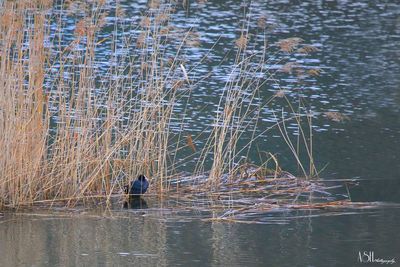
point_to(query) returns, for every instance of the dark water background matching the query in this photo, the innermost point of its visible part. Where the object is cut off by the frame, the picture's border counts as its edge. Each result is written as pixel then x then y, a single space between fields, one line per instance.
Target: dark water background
pixel 359 44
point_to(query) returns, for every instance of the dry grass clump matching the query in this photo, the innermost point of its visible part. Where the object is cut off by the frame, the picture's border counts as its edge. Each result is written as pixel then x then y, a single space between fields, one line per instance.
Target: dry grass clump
pixel 262 22
pixel 154 4
pixel 336 116
pixel 119 12
pixel 145 22
pixel 289 67
pixel 69 132
pixel 141 40
pixel 307 49
pixel 192 39
pixel 80 29
pixel 280 93
pixel 241 42
pixel 289 44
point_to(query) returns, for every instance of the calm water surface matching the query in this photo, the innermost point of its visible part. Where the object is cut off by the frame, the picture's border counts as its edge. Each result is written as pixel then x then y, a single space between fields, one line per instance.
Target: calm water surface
pixel 159 238
pixel 359 53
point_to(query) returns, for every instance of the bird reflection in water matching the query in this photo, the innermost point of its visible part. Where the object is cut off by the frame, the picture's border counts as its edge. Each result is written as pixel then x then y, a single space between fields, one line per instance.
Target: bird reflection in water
pixel 135 202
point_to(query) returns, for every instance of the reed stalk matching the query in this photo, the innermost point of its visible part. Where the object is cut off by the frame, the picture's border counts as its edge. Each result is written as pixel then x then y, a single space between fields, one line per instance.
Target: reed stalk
pixel 69 130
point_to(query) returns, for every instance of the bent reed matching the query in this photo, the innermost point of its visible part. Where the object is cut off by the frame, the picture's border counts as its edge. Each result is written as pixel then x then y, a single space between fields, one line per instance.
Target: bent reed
pixel 72 127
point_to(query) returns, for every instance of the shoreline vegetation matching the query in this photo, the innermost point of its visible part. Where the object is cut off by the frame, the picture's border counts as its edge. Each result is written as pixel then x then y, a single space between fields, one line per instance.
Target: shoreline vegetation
pixel 71 132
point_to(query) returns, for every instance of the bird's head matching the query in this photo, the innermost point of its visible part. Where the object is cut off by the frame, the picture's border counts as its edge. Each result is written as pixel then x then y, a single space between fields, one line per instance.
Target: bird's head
pixel 141 177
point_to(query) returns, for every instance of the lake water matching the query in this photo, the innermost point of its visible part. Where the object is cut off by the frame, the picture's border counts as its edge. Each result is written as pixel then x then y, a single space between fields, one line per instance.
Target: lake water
pixel 160 238
pixel 359 53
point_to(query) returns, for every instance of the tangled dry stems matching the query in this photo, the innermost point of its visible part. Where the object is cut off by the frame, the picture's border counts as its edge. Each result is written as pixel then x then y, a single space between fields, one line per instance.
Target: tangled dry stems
pixel 62 139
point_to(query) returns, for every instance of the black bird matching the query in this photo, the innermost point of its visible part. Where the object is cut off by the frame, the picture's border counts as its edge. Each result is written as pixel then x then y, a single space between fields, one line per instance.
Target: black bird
pixel 137 187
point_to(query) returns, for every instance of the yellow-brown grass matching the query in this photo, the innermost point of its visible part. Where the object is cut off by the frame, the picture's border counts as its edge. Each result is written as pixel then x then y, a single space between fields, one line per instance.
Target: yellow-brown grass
pixel 63 140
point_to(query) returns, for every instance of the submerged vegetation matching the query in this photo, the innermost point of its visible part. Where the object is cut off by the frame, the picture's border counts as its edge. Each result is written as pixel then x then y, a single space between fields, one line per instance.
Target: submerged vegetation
pixel 74 127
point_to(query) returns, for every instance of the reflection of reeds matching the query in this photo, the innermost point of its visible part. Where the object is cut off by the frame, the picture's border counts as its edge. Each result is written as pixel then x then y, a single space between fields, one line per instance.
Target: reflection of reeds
pixel 145 244
pixel 123 129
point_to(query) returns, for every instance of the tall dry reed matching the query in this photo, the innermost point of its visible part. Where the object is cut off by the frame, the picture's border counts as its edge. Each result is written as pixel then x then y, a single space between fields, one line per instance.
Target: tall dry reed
pixel 68 132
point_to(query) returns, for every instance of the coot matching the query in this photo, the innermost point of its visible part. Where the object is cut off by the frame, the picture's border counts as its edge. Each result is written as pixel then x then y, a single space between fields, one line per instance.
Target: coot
pixel 137 187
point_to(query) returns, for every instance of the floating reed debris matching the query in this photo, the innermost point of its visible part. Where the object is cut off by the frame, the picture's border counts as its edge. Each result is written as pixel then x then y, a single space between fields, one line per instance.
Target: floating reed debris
pixel 257 213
